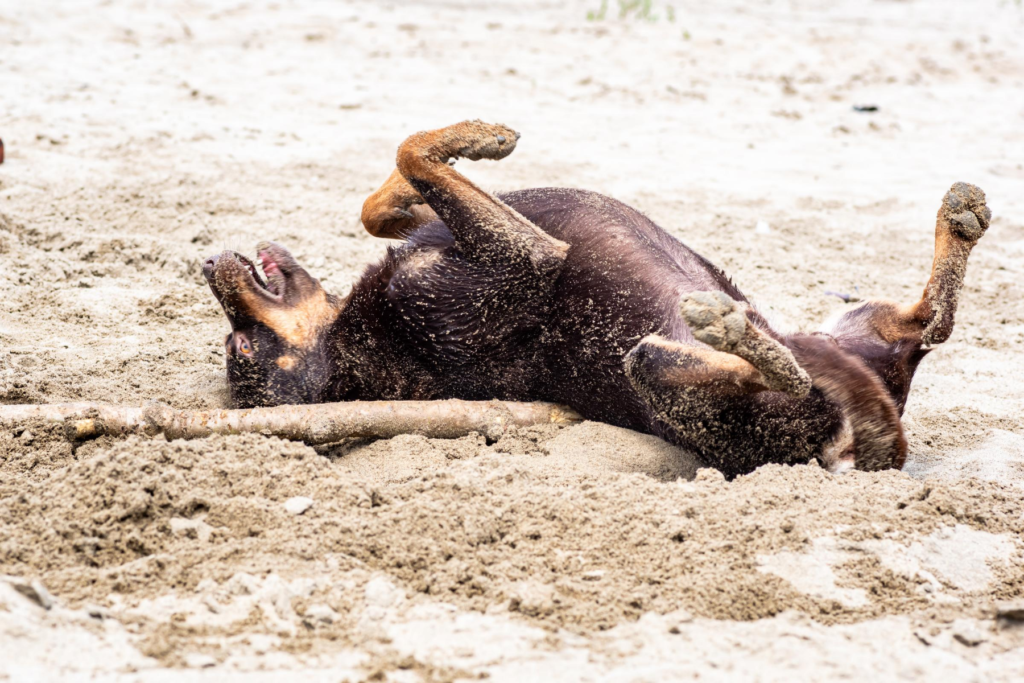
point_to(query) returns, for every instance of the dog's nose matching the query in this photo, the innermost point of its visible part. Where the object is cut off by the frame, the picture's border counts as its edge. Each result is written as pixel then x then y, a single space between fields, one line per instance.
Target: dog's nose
pixel 209 265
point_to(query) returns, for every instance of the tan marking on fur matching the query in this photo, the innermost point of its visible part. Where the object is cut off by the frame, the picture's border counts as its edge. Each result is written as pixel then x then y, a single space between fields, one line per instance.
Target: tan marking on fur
pixel 893 322
pixel 705 366
pixel 285 362
pixel 382 215
pixel 298 325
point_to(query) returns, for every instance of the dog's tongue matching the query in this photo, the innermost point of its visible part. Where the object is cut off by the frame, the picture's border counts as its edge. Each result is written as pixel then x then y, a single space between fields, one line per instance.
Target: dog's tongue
pixel 275 278
pixel 269 267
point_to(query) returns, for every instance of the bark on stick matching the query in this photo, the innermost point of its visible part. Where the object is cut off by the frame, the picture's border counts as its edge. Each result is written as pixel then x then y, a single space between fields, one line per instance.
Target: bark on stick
pixel 313 424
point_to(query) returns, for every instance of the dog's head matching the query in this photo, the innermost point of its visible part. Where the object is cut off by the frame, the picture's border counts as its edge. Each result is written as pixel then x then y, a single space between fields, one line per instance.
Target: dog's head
pixel 276 349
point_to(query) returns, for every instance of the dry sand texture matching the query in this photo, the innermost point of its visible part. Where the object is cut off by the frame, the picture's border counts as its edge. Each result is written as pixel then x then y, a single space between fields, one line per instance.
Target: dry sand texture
pixel 141 137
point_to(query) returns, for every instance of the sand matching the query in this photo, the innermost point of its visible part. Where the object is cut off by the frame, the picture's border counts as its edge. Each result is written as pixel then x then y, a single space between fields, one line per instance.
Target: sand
pixel 140 139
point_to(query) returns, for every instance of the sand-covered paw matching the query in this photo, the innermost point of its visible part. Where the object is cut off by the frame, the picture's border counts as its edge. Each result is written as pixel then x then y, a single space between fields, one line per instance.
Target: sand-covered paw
pixel 479 140
pixel 715 319
pixel 964 207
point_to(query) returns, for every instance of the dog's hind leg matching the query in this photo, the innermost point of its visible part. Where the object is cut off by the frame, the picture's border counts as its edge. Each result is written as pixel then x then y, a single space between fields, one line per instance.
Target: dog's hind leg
pixel 753 400
pixel 721 322
pixel 892 338
pixel 727 410
pixel 962 220
pixel 736 403
pixel 485 228
pixel 472 303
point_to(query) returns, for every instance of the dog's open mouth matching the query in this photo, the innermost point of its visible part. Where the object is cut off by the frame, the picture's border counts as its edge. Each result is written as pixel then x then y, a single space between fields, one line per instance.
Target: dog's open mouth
pixel 255 273
pixel 229 270
pixel 257 290
pixel 234 278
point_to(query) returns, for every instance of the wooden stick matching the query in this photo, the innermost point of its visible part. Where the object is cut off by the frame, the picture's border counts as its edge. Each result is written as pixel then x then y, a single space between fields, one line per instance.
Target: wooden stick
pixel 313 424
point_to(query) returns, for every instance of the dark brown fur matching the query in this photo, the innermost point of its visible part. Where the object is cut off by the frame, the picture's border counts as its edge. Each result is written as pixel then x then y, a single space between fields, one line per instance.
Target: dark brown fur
pixel 569 296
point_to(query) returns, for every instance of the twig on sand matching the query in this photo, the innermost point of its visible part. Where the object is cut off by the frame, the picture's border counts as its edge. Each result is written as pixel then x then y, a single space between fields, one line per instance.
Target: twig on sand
pixel 314 424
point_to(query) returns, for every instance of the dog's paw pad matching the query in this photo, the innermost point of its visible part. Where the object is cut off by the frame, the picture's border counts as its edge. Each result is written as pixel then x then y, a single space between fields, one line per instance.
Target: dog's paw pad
pixel 479 140
pixel 966 211
pixel 715 319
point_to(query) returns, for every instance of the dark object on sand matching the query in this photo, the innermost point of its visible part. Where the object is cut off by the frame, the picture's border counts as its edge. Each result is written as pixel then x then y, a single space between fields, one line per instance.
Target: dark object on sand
pixel 1 151
pixel 848 298
pixel 1011 611
pixel 570 297
pixel 865 108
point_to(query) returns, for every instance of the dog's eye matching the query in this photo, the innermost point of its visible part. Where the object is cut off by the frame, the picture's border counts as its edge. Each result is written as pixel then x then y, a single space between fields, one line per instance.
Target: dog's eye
pixel 244 347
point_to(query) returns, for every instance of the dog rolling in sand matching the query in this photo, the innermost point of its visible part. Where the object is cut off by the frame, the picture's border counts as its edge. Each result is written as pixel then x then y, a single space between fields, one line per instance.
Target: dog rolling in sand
pixel 571 297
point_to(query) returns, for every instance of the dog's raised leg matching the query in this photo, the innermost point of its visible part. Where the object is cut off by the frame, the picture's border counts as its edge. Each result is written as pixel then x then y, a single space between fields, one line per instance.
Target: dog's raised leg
pixel 754 400
pixel 741 404
pixel 892 338
pixel 962 220
pixel 471 300
pixel 485 228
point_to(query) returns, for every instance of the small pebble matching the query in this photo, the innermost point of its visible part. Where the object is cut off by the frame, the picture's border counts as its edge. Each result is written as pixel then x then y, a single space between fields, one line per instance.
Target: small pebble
pixel 968 634
pixel 97 612
pixel 298 504
pixel 33 590
pixel 320 614
pixel 195 660
pixel 27 436
pixel 1011 611
pixel 677 620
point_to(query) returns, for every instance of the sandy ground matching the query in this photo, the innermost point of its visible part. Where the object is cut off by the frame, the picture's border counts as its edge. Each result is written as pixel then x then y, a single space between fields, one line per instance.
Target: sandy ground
pixel 142 137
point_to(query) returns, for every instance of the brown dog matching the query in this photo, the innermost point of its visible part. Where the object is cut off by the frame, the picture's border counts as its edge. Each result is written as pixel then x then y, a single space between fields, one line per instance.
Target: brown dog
pixel 569 296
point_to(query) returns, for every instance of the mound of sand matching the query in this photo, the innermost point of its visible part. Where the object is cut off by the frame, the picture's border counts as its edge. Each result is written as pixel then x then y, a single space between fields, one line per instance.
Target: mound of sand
pixel 197 543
